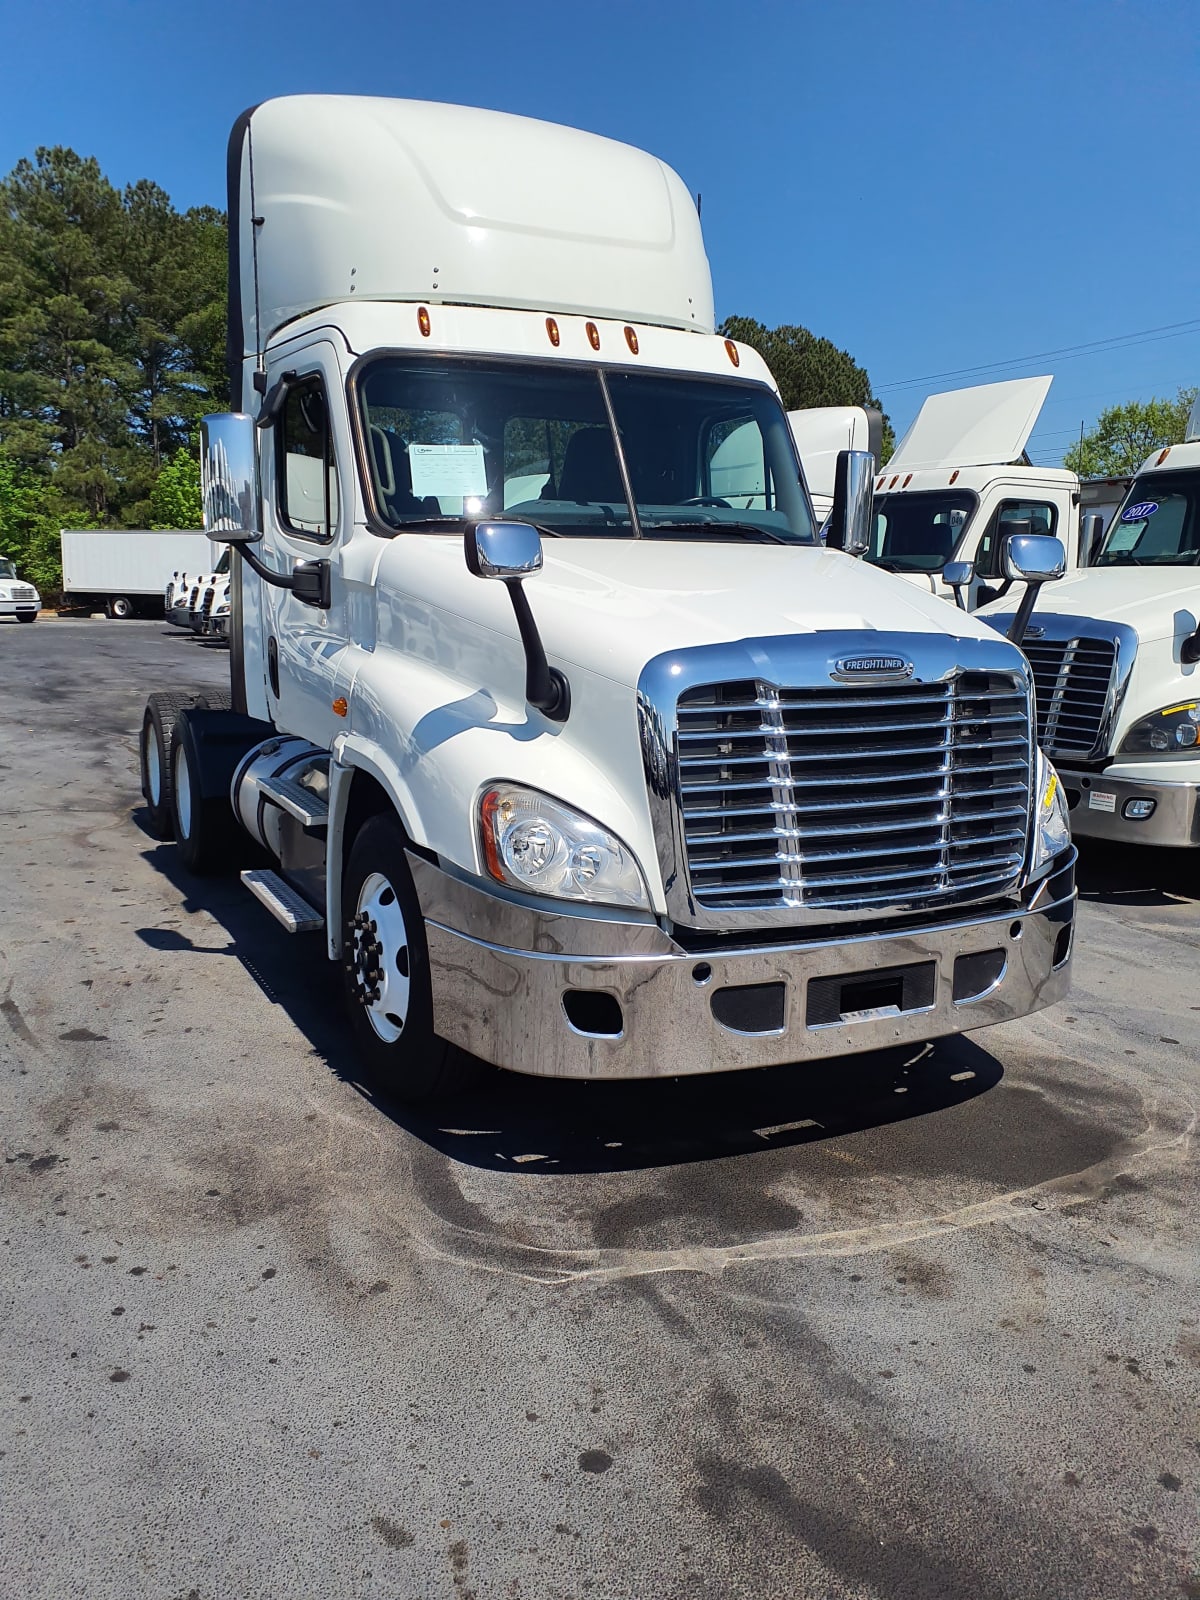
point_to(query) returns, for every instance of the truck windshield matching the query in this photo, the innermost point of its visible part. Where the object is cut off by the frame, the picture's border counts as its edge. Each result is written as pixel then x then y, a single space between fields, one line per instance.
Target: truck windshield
pixel 706 458
pixel 919 532
pixel 7 570
pixel 1158 525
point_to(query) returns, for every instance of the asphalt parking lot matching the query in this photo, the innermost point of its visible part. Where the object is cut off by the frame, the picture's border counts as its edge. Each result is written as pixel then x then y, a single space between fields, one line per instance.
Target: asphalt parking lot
pixel 906 1326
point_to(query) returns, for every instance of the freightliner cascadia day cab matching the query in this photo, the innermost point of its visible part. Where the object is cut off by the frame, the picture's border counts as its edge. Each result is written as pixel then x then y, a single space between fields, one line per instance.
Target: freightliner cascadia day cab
pixel 959 484
pixel 1116 660
pixel 587 761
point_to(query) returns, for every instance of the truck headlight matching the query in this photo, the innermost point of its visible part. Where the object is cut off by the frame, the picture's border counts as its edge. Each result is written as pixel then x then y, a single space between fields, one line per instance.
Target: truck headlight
pixel 1165 735
pixel 537 844
pixel 1052 826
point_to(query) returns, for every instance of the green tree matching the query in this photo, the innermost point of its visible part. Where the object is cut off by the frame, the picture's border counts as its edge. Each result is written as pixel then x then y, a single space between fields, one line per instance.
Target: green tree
pixel 175 497
pixel 809 370
pixel 32 511
pixel 1125 435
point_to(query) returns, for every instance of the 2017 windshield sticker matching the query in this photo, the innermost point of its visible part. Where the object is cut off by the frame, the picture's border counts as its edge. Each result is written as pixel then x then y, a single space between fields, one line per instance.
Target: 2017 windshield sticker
pixel 447 469
pixel 1139 512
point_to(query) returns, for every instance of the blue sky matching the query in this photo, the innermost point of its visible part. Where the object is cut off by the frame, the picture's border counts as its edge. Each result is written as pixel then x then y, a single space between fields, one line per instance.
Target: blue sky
pixel 934 186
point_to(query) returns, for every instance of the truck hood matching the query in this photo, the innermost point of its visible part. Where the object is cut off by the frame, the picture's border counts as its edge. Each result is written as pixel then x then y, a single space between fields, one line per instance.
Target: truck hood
pixel 1156 602
pixel 987 425
pixel 612 605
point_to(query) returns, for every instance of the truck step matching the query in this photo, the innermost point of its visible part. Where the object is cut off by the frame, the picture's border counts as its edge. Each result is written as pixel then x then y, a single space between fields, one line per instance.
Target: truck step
pixel 282 901
pixel 299 802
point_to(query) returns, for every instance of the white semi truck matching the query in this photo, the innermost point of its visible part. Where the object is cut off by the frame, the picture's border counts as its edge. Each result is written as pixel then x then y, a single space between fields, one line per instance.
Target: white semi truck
pixel 959 484
pixel 1116 661
pixel 584 764
pixel 18 598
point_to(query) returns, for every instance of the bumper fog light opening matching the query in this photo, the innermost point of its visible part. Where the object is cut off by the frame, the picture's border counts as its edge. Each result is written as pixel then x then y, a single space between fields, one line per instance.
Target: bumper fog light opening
pixel 1138 810
pixel 592 1012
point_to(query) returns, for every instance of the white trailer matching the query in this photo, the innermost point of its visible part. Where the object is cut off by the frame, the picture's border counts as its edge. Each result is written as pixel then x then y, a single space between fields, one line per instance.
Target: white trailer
pixel 547 703
pixel 127 569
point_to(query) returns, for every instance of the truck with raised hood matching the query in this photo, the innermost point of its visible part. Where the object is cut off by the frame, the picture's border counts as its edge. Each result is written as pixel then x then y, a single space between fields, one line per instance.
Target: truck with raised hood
pixel 1116 663
pixel 126 570
pixel 583 762
pixel 959 484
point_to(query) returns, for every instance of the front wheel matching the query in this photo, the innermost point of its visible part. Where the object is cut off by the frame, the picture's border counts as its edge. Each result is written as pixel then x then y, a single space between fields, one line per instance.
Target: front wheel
pixel 26 616
pixel 385 971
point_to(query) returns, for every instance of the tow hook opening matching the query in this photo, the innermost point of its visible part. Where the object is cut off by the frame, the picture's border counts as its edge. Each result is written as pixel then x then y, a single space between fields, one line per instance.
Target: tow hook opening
pixel 592 1012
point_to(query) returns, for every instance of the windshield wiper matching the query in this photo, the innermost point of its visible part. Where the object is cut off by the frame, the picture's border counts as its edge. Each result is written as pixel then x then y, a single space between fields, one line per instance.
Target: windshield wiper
pixel 461 524
pixel 711 525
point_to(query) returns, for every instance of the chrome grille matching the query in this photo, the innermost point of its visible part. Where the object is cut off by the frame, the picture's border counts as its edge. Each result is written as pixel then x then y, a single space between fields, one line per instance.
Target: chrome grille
pixel 1072 678
pixel 853 797
pixel 22 591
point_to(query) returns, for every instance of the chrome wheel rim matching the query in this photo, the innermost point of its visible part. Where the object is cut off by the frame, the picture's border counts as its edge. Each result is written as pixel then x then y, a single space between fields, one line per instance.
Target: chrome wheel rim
pixel 153 764
pixel 183 793
pixel 377 957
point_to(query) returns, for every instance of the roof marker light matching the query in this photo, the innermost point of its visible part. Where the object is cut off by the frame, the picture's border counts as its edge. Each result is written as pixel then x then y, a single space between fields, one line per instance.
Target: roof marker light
pixel 731 350
pixel 892 485
pixel 423 321
pixel 1163 456
pixel 552 332
pixel 631 340
pixel 954 476
pixel 907 481
pixel 593 333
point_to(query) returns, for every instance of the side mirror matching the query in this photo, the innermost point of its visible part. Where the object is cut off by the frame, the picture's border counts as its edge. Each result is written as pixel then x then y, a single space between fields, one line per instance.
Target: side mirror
pixel 229 478
pixel 1032 559
pixel 512 551
pixel 504 550
pixel 853 502
pixel 958 575
pixel 1090 536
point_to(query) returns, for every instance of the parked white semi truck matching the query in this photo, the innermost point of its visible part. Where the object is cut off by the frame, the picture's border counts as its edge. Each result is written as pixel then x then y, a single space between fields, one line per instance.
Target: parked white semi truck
pixel 1116 660
pixel 580 766
pixel 17 597
pixel 959 484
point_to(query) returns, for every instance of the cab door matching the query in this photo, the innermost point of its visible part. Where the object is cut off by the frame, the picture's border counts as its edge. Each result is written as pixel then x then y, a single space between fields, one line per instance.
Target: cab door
pixel 307 514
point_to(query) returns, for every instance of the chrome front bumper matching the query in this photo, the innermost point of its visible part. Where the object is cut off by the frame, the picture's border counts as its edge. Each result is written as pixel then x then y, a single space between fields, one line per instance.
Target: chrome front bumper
pixel 1175 819
pixel 508 979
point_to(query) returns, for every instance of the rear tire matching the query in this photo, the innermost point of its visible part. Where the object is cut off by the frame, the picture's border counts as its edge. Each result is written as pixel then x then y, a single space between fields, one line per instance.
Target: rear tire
pixel 385 972
pixel 206 834
pixel 154 750
pixel 118 608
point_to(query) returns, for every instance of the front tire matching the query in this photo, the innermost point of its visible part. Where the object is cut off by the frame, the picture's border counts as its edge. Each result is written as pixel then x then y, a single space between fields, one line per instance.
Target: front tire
pixel 26 616
pixel 385 972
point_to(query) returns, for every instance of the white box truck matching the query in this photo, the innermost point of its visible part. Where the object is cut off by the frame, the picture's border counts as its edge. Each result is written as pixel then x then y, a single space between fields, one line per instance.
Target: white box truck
pixel 127 570
pixel 1116 661
pixel 585 764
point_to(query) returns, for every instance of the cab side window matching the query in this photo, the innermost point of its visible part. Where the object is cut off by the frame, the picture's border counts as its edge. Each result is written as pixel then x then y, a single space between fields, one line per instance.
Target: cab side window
pixel 305 469
pixel 1041 516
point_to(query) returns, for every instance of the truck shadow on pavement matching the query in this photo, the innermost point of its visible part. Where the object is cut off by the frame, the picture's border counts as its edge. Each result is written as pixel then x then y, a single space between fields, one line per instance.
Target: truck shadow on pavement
pixel 583 1127
pixel 1137 875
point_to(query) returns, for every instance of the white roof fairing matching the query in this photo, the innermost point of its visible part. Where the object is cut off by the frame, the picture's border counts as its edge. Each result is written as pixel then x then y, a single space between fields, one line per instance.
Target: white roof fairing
pixel 987 425
pixel 374 199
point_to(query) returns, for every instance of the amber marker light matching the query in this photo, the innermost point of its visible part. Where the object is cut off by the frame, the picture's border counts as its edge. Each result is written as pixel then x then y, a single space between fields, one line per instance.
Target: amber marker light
pixel 593 333
pixel 552 332
pixel 892 485
pixel 631 341
pixel 954 476
pixel 731 350
pixel 907 481
pixel 1163 456
pixel 340 706
pixel 423 321
pixel 490 829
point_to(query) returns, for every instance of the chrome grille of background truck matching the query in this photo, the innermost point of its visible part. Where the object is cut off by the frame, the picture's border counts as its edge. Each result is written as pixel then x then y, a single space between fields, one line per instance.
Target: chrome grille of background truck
pixel 854 798
pixel 1073 679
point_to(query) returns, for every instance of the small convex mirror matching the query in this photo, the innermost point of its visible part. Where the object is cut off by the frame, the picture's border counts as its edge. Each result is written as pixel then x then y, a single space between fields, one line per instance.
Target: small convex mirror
pixel 505 550
pixel 958 574
pixel 1032 558
pixel 229 477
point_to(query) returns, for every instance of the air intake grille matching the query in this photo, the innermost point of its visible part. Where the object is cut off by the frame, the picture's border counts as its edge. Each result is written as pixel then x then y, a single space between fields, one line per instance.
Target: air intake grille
pixel 1072 678
pixel 853 798
pixel 22 592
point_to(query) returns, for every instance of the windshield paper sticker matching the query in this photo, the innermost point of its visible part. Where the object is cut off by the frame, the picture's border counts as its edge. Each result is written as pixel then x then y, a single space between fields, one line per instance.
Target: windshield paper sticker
pixel 447 469
pixel 1139 513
